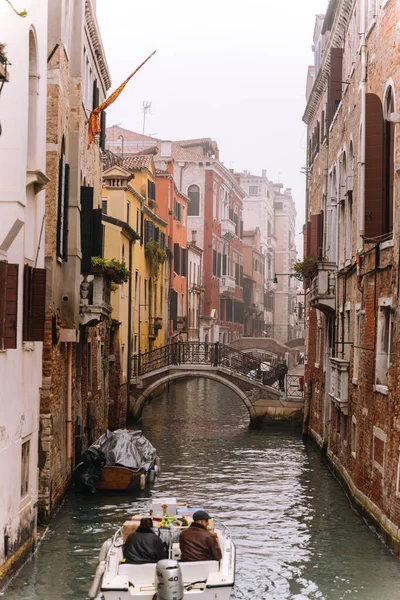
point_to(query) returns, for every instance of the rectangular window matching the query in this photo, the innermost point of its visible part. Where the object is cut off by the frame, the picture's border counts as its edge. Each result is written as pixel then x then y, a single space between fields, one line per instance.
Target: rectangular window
pixel 25 456
pixel 62 210
pixel 135 344
pixel 347 335
pixel 378 449
pixel 214 263
pixel 338 413
pixel 104 205
pixel 128 213
pixel 353 437
pixel 136 289
pixel 137 221
pixel 356 358
pixel 177 210
pixel 177 259
pixel 123 361
pixel 145 298
pixel 384 339
pixel 253 190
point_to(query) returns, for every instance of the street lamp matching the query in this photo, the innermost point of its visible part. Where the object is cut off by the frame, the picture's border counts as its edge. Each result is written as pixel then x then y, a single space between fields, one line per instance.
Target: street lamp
pixel 297 276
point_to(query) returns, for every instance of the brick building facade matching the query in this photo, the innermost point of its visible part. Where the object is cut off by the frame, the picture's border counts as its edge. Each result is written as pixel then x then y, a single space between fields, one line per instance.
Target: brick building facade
pixel 74 393
pixel 352 235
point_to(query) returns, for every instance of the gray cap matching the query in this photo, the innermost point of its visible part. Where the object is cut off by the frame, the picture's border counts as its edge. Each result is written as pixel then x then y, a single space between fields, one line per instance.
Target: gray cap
pixel 201 515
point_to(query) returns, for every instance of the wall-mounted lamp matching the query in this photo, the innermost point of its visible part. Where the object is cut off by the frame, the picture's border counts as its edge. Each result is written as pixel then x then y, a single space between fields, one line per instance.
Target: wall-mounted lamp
pixel 297 276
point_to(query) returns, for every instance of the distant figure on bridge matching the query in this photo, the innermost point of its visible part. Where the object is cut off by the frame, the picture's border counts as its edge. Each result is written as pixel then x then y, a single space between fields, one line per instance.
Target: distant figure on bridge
pixel 282 370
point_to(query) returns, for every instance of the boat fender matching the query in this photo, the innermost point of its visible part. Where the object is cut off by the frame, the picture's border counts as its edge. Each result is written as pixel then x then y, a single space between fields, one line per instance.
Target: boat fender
pixel 158 464
pixel 152 475
pixel 94 589
pixel 142 481
pixel 104 550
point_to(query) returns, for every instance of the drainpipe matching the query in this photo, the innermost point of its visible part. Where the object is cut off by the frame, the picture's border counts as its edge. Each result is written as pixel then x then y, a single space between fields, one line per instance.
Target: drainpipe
pixel 129 352
pixel 69 401
pixel 363 88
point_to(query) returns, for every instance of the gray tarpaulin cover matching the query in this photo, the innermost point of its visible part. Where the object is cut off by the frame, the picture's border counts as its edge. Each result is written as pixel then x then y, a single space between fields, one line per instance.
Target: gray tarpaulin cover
pixel 127 449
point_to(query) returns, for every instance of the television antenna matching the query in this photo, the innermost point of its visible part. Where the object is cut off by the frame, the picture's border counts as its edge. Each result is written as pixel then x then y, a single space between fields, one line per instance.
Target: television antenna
pixel 146 110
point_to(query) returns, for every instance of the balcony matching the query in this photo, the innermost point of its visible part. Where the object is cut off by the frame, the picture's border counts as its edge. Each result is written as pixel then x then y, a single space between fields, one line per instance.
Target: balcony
pixel 227 285
pixel 228 229
pixel 339 388
pixel 323 287
pixel 95 301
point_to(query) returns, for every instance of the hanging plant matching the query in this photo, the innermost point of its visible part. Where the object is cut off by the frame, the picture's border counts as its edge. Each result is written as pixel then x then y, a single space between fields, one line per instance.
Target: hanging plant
pixel 112 268
pixel 155 255
pixel 305 267
pixel 22 14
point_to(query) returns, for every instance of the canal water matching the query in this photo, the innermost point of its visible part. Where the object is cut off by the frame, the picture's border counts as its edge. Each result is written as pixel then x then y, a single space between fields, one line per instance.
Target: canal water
pixel 297 537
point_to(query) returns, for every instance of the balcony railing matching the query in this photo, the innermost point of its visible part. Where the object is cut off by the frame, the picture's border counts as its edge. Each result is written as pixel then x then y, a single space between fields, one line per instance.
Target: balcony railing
pixel 228 229
pixel 339 387
pixel 95 301
pixel 323 287
pixel 227 284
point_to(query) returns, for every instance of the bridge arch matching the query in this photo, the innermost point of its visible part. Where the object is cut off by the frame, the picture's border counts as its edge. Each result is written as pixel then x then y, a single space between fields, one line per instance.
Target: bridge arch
pixel 137 404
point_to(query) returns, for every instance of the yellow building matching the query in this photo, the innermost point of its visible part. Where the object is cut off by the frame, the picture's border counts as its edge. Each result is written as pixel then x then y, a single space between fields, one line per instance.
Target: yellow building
pixel 135 235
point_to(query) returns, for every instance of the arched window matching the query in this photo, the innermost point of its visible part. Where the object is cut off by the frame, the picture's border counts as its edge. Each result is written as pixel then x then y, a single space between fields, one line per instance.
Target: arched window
pixel 62 211
pixel 342 212
pixel 349 205
pixel 194 204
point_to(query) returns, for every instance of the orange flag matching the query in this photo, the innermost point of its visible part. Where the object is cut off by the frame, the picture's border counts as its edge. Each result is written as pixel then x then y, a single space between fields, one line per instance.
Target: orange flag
pixel 94 121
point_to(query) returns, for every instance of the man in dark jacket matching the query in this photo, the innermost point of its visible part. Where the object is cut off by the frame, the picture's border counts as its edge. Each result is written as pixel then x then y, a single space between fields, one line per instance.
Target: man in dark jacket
pixel 143 545
pixel 196 542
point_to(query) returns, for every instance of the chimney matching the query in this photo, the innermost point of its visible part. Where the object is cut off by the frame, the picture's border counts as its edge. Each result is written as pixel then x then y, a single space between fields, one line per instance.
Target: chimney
pixel 264 173
pixel 165 149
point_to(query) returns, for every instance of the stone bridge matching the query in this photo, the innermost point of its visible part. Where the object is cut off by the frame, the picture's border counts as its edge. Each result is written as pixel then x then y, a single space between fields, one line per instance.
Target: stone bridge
pixel 241 373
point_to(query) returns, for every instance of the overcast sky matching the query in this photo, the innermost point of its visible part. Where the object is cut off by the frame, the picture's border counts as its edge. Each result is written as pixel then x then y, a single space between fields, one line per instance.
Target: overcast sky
pixel 231 70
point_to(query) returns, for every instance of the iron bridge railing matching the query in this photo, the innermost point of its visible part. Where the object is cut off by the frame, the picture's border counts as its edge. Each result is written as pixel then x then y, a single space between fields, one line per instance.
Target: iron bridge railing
pixel 216 355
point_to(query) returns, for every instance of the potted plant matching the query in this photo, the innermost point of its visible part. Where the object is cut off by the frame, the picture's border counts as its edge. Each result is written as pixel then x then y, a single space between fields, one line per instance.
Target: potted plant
pixel 305 268
pixel 116 271
pixel 155 255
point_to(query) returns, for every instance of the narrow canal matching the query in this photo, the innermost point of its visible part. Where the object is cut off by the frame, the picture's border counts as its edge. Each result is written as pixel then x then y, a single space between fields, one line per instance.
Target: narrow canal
pixel 297 536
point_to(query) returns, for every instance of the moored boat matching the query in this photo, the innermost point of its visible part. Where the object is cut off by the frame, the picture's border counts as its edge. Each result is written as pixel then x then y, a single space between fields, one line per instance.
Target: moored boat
pixel 119 460
pixel 169 579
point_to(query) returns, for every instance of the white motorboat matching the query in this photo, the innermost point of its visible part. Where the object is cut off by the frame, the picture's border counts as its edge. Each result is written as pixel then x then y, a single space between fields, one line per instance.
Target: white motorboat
pixel 169 579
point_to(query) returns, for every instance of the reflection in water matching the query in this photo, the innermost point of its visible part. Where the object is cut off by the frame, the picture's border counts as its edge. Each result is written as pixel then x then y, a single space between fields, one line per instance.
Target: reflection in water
pixel 297 537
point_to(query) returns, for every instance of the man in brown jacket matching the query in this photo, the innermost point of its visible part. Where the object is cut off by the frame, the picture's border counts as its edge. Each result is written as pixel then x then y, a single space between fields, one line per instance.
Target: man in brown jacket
pixel 197 543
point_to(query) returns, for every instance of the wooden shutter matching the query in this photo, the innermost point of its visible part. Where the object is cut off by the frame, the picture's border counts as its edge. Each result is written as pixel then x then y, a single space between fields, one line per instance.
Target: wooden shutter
pixel 34 304
pixel 97 232
pixel 241 275
pixel 308 238
pixel 65 211
pixel 60 207
pixel 173 307
pixel 86 228
pixel 184 261
pixel 335 81
pixel 103 125
pixel 214 262
pixel 315 235
pixel 373 166
pixel 177 259
pixel 141 228
pixel 219 264
pixel 96 95
pixel 11 307
pixel 3 287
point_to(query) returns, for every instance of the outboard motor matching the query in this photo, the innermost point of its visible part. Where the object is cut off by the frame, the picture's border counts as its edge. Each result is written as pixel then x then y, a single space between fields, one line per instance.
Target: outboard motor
pixel 169 582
